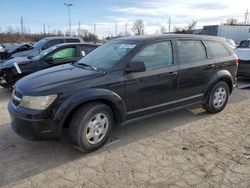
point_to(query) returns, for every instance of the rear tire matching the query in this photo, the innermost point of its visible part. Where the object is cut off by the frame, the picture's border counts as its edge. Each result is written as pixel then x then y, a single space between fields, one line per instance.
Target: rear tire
pixel 91 126
pixel 218 98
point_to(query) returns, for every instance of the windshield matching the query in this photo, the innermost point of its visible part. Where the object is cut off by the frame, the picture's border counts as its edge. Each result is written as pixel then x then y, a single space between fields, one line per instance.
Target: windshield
pixel 39 44
pixel 43 53
pixel 107 55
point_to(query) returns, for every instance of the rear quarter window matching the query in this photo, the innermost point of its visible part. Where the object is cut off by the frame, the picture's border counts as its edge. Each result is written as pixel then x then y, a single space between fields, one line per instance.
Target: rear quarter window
pixel 216 49
pixel 191 51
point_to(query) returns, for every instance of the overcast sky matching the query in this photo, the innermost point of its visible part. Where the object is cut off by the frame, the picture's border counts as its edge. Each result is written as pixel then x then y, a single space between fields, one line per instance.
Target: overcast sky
pixel 105 13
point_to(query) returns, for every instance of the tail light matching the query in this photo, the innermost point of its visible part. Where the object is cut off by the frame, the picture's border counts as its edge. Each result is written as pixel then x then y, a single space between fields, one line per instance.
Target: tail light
pixel 236 60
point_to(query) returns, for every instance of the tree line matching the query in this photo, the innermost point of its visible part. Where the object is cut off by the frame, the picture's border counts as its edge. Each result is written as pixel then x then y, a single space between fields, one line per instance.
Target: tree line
pixel 138 28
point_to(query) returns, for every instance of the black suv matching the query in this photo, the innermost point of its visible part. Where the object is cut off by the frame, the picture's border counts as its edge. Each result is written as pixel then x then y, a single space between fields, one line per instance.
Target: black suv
pixel 13 69
pixel 123 80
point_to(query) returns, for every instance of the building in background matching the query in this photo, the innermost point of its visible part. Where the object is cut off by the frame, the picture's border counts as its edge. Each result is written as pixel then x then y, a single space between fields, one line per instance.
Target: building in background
pixel 235 32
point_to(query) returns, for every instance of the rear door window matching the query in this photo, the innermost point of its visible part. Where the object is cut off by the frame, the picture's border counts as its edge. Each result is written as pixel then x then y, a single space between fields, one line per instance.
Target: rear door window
pixel 191 51
pixel 157 55
pixel 215 49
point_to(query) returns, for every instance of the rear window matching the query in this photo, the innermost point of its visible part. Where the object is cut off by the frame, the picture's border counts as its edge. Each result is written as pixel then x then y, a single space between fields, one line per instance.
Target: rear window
pixel 215 49
pixel 191 51
pixel 245 44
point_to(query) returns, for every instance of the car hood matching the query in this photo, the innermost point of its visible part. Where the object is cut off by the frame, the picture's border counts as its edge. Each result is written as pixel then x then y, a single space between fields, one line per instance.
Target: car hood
pixel 14 47
pixel 10 63
pixel 56 78
pixel 32 52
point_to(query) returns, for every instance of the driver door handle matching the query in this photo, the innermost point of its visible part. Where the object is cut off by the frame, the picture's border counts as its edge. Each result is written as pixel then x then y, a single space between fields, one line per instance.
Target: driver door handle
pixel 172 73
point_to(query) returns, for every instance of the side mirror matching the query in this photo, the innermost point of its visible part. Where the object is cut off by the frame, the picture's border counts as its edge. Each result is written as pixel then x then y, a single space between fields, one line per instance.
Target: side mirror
pixel 43 48
pixel 136 66
pixel 83 53
pixel 49 59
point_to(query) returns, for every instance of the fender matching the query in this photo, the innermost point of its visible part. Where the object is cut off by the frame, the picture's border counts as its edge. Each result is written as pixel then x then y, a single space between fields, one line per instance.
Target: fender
pixel 88 95
pixel 220 75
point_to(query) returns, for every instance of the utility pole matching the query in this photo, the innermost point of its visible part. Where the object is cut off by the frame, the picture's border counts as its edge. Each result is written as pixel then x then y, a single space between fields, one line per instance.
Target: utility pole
pixel 22 28
pixel 169 24
pixel 116 29
pixel 49 29
pixel 79 28
pixel 126 29
pixel 69 5
pixel 95 29
pixel 44 31
pixel 246 17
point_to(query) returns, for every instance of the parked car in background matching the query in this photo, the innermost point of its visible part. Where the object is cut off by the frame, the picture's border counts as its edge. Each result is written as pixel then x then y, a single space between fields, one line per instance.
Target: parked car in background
pixel 1 52
pixel 122 81
pixel 243 53
pixel 13 69
pixel 9 50
pixel 47 43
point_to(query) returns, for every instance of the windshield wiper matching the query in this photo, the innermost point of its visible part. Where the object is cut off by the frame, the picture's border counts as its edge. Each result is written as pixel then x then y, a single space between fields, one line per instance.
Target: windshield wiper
pixel 86 65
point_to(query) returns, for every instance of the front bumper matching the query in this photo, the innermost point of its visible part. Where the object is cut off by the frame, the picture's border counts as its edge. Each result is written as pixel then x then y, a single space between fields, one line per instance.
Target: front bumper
pixel 30 126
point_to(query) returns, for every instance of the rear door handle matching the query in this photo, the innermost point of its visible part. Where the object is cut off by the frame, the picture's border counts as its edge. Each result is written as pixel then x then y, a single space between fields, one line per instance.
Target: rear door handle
pixel 212 65
pixel 172 73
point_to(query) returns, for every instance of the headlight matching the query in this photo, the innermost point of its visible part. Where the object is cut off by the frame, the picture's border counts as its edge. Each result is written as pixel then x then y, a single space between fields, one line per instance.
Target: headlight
pixel 37 103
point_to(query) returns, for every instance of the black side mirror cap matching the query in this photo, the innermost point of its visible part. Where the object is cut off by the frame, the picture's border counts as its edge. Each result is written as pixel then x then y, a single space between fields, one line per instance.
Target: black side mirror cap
pixel 49 59
pixel 136 66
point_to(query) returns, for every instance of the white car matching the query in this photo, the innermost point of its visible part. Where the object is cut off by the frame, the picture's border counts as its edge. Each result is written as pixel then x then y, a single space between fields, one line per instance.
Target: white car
pixel 243 53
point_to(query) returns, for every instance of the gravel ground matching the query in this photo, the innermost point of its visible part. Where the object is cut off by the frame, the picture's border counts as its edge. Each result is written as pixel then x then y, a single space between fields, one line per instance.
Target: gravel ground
pixel 188 148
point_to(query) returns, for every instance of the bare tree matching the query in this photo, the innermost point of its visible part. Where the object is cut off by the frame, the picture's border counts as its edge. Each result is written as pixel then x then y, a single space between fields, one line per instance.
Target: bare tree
pixel 186 30
pixel 138 27
pixel 192 25
pixel 231 21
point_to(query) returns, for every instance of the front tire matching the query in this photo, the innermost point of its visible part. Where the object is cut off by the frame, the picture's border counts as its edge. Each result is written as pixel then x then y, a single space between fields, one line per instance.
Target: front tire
pixel 218 98
pixel 91 126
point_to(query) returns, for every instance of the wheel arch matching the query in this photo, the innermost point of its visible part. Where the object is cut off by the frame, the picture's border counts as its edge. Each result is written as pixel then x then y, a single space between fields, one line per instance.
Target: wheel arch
pixel 223 75
pixel 75 102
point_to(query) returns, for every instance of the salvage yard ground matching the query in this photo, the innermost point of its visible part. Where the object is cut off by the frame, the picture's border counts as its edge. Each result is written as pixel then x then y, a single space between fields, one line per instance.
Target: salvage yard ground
pixel 189 148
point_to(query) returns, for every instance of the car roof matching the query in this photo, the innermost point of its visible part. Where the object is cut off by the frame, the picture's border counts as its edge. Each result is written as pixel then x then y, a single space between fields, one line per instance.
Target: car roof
pixel 77 44
pixel 144 38
pixel 62 37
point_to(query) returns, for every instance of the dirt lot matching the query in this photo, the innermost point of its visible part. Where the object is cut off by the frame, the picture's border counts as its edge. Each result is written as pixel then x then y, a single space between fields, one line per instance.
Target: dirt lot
pixel 189 148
